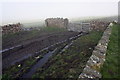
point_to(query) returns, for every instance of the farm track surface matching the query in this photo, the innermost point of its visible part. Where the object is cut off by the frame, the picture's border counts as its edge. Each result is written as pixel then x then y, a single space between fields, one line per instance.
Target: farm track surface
pixel 16 40
pixel 35 45
pixel 42 45
pixel 62 46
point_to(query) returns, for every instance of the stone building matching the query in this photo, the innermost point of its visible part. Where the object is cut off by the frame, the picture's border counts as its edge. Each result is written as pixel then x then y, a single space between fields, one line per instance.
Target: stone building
pixel 57 22
pixel 64 23
pixel 11 28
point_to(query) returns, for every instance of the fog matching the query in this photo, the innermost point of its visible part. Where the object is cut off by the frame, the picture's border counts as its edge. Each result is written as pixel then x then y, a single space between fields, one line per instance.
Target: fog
pixel 15 11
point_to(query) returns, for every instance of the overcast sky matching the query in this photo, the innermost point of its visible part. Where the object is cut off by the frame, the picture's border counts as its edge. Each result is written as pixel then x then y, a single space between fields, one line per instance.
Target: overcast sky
pixel 31 10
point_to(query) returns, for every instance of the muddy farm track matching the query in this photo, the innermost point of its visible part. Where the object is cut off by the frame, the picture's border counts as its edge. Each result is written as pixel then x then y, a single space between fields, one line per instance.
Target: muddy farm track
pixel 47 54
pixel 35 45
pixel 42 55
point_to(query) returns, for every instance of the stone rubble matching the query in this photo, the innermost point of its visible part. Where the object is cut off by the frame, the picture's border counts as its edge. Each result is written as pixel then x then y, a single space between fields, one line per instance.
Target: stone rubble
pixel 11 28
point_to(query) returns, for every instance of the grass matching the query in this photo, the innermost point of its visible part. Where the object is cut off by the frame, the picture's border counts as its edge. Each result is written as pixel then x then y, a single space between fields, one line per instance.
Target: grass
pixel 18 69
pixel 52 29
pixel 111 67
pixel 15 71
pixel 71 62
pixel 68 64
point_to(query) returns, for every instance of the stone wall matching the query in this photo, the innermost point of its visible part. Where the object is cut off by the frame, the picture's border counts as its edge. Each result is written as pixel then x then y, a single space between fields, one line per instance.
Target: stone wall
pixel 92 69
pixel 11 28
pixel 79 27
pixel 99 25
pixel 74 27
pixel 56 22
pixel 87 26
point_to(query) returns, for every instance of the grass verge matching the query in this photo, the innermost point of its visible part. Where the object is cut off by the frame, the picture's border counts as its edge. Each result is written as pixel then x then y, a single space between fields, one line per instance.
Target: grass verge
pixel 110 67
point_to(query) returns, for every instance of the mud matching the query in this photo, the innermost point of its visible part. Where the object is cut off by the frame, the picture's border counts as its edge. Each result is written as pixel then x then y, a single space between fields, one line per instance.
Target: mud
pixel 46 57
pixel 35 45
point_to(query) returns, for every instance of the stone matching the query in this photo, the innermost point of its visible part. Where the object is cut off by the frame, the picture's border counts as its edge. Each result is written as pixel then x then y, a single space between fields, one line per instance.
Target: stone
pixel 98 54
pixel 92 69
pixel 57 22
pixel 11 28
pixel 91 73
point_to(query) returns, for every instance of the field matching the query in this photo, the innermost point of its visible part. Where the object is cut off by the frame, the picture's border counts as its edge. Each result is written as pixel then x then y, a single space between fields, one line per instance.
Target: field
pixel 50 52
pixel 32 42
pixel 14 39
pixel 71 62
pixel 35 24
pixel 68 64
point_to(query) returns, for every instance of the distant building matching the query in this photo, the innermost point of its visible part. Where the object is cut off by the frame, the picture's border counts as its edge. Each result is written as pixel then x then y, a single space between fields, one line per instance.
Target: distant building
pixel 64 23
pixel 57 22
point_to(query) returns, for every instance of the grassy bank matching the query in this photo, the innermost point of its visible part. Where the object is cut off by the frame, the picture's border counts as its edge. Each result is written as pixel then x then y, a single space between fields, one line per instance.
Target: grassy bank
pixel 110 67
pixel 71 62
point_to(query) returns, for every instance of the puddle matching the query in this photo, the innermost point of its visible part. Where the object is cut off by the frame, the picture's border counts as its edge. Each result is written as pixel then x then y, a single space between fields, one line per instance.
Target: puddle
pixel 46 55
pixel 39 64
pixel 44 60
pixel 2 51
pixel 25 57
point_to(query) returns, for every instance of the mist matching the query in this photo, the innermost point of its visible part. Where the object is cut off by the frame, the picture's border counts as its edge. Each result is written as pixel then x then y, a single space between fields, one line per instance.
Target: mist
pixel 25 12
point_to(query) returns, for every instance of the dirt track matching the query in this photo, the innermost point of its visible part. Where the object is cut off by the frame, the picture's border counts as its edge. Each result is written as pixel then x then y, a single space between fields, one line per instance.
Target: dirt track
pixel 35 45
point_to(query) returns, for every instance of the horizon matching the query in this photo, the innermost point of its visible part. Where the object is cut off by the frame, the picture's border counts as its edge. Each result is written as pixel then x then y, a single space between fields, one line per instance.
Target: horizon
pixel 27 12
pixel 70 19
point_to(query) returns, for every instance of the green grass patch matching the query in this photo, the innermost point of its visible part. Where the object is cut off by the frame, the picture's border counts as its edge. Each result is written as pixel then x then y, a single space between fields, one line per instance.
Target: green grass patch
pixel 110 67
pixel 18 69
pixel 51 29
pixel 70 63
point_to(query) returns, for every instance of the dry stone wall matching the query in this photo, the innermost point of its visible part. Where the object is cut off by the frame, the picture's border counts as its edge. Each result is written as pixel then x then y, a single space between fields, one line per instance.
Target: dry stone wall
pixel 98 25
pixel 74 27
pixel 56 22
pixel 11 28
pixel 79 27
pixel 98 57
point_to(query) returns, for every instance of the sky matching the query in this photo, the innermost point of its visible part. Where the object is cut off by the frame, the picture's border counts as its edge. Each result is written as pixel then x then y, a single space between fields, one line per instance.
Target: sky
pixel 13 11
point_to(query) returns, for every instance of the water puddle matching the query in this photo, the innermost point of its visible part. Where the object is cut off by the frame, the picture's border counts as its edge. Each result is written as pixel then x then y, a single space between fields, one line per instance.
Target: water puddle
pixel 46 57
pixel 39 64
pixel 2 51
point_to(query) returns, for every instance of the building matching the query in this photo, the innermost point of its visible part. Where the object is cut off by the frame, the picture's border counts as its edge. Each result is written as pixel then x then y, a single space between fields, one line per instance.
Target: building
pixel 57 22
